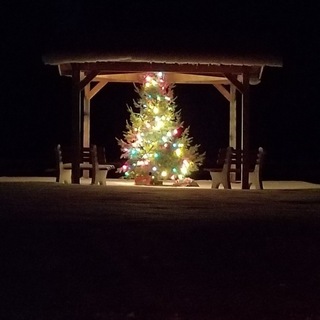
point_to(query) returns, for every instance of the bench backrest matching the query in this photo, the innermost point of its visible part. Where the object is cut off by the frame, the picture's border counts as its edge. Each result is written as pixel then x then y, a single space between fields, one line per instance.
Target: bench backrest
pixel 225 157
pixel 98 155
pixel 256 158
pixel 65 155
pixel 58 154
pixel 86 154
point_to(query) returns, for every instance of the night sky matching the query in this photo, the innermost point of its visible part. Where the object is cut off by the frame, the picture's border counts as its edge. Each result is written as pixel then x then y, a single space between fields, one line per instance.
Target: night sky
pixel 35 100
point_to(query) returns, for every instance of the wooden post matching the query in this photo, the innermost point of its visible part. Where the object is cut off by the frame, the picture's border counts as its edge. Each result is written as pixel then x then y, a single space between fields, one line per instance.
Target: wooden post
pixel 245 130
pixel 233 117
pixel 76 124
pixel 86 122
pixel 239 135
pixel 233 124
pixel 237 81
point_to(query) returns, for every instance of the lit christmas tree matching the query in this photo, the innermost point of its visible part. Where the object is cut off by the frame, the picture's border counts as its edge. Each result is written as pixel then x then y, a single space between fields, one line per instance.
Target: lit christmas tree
pixel 156 144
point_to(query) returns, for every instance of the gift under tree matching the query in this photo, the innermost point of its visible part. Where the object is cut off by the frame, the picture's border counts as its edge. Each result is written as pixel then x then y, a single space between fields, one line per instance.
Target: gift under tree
pixel 156 144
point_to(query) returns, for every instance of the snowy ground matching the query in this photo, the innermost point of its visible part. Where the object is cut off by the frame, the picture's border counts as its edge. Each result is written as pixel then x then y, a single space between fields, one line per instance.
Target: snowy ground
pixel 205 184
pixel 122 252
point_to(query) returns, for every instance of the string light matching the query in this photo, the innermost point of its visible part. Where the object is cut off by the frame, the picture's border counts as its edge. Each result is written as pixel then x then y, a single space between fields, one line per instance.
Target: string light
pixel 178 152
pixel 164 174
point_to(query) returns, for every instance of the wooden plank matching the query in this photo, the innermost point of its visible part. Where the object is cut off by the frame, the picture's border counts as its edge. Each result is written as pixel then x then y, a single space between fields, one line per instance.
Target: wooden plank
pixel 96 89
pixel 223 91
pixel 89 77
pixel 233 79
pixel 171 77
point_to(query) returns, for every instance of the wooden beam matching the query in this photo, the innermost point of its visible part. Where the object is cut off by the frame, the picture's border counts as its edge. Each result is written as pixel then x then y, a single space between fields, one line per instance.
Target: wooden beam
pixel 96 89
pixel 76 126
pixel 125 67
pixel 171 77
pixel 222 89
pixel 89 77
pixel 233 79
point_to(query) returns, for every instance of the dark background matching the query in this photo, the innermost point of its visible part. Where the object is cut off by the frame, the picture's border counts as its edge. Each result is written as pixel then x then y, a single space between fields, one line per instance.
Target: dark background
pixel 35 100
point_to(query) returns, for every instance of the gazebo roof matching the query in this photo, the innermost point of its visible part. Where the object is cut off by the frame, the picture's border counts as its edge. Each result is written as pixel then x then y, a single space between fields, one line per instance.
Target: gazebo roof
pixel 165 57
pixel 181 67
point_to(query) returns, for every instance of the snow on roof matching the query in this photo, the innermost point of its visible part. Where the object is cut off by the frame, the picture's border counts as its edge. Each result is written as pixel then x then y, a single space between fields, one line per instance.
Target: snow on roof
pixel 168 58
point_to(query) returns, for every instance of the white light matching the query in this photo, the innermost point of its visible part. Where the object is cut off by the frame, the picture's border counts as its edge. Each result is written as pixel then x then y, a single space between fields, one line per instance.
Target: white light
pixel 184 170
pixel 159 125
pixel 163 173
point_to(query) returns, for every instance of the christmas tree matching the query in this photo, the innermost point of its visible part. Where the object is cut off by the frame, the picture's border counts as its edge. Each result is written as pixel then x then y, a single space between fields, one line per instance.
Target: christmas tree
pixel 156 143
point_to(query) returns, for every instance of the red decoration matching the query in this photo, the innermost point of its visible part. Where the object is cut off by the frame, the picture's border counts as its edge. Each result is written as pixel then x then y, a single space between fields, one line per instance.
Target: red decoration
pixel 143 180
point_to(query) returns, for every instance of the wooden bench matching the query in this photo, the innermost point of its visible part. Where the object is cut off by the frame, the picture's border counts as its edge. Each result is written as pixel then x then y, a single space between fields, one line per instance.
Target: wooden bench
pixel 100 168
pixel 63 168
pixel 220 174
pixel 256 159
pixel 92 159
pixel 230 161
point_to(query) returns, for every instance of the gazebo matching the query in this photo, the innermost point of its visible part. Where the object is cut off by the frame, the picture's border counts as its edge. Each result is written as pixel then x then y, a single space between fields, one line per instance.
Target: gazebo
pixel 230 74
